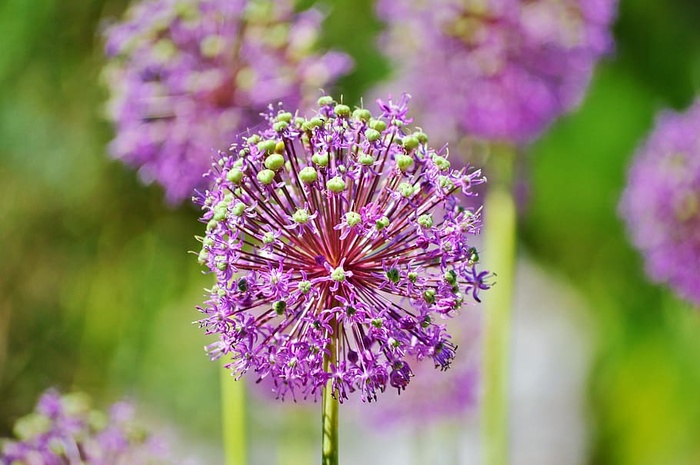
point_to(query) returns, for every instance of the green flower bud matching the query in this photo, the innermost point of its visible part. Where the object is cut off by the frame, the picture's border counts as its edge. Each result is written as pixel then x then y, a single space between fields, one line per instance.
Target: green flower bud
pixel 426 321
pixel 336 184
pixel 305 287
pixel 325 101
pixel 361 114
pixel 266 177
pixel 377 322
pixel 393 275
pixel 446 183
pixel 441 163
pixel 242 285
pixel 280 126
pixel 268 237
pixel 253 140
pixel 352 218
pixel 429 296
pixel 308 175
pixel 267 146
pixel 320 159
pixel 404 162
pixel 377 125
pixel 406 189
pixel 451 277
pixel 312 123
pixel 366 160
pixel 220 212
pixel 274 162
pixel 279 307
pixel 238 209
pixel 342 110
pixel 338 274
pixel 410 143
pixel 421 136
pixel 412 276
pixel 426 221
pixel 301 216
pixel 285 116
pixel 381 223
pixel 235 176
pixel 372 135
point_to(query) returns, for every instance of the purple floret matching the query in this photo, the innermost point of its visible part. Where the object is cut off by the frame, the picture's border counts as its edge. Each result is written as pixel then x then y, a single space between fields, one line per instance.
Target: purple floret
pixel 186 76
pixel 338 238
pixel 661 202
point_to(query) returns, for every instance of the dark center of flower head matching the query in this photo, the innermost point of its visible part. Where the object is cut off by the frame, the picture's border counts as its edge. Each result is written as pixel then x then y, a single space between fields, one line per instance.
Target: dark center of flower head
pixel 333 240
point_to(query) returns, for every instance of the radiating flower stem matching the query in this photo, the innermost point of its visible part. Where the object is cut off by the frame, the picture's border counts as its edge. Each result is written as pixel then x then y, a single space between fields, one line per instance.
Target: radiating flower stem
pixel 499 243
pixel 233 417
pixel 329 416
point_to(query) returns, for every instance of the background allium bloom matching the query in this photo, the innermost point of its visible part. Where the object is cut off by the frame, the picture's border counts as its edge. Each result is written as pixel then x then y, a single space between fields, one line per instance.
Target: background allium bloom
pixel 338 236
pixel 63 430
pixel 497 69
pixel 661 203
pixel 186 76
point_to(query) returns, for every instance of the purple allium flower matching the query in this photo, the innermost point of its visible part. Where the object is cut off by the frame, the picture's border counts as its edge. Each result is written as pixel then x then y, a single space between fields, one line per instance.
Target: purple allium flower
pixel 187 75
pixel 661 202
pixel 340 237
pixel 63 430
pixel 496 69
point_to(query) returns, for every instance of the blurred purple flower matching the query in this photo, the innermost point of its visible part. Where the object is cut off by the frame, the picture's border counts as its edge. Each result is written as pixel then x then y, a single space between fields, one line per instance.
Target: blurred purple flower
pixel 661 202
pixel 340 236
pixel 63 430
pixel 496 69
pixel 186 76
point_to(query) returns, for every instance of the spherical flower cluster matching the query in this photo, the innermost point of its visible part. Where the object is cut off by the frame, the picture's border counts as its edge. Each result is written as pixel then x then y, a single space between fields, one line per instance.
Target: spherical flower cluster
pixel 63 430
pixel 661 202
pixel 185 76
pixel 338 244
pixel 497 69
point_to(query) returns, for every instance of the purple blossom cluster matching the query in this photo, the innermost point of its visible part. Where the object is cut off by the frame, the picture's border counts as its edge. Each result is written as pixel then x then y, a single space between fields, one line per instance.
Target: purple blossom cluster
pixel 63 430
pixel 338 244
pixel 495 69
pixel 185 76
pixel 661 202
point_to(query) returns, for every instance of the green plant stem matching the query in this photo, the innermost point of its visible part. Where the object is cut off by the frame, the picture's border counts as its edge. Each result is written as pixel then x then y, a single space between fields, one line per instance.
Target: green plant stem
pixel 499 251
pixel 329 416
pixel 233 418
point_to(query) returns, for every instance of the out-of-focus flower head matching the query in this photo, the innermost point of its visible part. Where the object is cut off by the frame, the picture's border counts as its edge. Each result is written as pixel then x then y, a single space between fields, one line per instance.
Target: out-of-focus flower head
pixel 495 69
pixel 63 430
pixel 338 239
pixel 185 76
pixel 661 202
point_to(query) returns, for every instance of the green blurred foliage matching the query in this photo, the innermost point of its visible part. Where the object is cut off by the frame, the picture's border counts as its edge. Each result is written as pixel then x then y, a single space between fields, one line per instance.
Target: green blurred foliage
pixel 97 291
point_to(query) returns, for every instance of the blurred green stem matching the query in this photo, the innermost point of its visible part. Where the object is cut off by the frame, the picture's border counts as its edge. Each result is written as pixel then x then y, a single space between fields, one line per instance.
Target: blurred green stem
pixel 499 247
pixel 329 415
pixel 233 417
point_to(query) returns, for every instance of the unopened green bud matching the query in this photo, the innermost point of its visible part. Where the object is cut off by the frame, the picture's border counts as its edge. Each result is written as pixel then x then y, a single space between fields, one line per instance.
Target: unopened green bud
pixel 410 143
pixel 426 221
pixel 429 296
pixel 285 116
pixel 279 307
pixel 308 175
pixel 266 177
pixel 305 287
pixel 377 125
pixel 320 159
pixel 336 184
pixel 267 146
pixel 412 276
pixel 301 216
pixel 377 322
pixel 441 163
pixel 372 135
pixel 325 101
pixel 393 275
pixel 274 162
pixel 446 183
pixel 342 110
pixel 280 126
pixel 404 162
pixel 338 274
pixel 361 114
pixel 421 136
pixel 451 277
pixel 366 160
pixel 352 218
pixel 406 189
pixel 235 176
pixel 253 140
pixel 238 209
pixel 381 223
pixel 268 237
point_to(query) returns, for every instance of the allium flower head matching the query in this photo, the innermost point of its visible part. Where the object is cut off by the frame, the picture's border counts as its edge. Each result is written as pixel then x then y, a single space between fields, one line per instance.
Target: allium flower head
pixel 186 75
pixel 661 202
pixel 338 237
pixel 500 69
pixel 63 430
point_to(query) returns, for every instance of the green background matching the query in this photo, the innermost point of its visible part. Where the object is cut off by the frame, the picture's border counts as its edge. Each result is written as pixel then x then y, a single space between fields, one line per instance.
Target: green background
pixel 97 290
